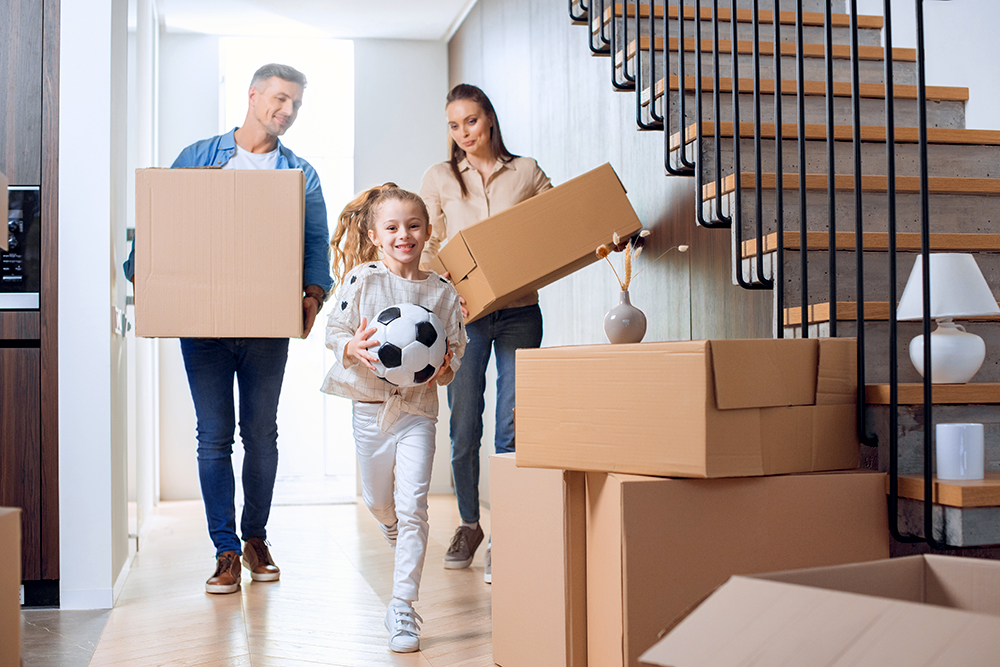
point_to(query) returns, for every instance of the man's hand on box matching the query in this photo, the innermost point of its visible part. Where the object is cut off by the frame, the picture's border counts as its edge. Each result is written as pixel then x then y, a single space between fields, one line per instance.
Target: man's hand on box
pixel 312 303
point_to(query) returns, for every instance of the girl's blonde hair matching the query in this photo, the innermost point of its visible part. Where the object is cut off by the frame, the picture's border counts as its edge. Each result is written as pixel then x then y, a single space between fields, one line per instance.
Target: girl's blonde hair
pixel 350 245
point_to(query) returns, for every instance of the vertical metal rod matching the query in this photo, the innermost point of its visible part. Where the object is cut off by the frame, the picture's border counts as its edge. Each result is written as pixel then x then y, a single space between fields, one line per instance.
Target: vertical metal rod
pixel 717 111
pixel 600 48
pixel 629 82
pixel 779 185
pixel 581 17
pixel 925 237
pixel 721 219
pixel 831 170
pixel 803 224
pixel 681 84
pixel 640 123
pixel 758 171
pixel 682 170
pixel 656 118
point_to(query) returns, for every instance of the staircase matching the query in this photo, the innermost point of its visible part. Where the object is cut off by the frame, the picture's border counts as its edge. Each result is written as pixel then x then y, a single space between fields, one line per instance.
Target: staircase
pixel 780 115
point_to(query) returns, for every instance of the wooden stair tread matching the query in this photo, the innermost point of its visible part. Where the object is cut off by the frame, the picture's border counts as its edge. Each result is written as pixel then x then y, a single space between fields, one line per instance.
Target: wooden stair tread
pixel 869 183
pixel 744 16
pixel 813 88
pixel 744 46
pixel 877 241
pixel 954 493
pixel 817 132
pixel 875 311
pixel 912 393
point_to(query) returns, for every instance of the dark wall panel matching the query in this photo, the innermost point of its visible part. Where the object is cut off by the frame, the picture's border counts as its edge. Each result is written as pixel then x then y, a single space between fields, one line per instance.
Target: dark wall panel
pixel 21 91
pixel 556 104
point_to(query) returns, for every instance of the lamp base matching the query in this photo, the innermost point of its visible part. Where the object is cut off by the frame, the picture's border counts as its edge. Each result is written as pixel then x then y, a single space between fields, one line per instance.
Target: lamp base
pixel 956 355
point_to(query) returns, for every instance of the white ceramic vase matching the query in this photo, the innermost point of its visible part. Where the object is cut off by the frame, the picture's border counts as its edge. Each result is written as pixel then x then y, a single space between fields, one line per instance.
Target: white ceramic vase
pixel 625 323
pixel 956 355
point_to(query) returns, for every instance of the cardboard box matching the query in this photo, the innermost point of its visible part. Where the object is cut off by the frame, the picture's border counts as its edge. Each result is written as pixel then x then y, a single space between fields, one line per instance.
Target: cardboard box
pixel 658 546
pixel 720 408
pixel 913 611
pixel 538 522
pixel 218 253
pixel 10 587
pixel 3 191
pixel 528 246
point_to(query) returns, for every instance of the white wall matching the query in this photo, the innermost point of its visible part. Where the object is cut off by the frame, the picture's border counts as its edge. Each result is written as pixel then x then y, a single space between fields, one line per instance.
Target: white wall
pixel 959 37
pixel 91 178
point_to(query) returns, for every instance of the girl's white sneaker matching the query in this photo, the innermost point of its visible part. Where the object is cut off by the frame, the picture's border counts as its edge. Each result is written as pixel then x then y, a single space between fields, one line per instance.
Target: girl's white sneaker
pixel 402 623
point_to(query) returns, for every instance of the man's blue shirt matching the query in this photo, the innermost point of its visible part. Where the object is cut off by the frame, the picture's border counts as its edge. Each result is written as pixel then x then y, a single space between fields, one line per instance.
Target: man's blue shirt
pixel 216 151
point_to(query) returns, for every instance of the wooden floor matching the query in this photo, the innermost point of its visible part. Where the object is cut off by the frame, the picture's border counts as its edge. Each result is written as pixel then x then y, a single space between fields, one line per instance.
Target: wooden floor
pixel 328 608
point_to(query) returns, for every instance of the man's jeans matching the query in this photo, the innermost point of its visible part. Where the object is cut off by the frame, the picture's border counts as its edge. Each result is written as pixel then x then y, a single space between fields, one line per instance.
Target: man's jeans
pixel 504 331
pixel 259 366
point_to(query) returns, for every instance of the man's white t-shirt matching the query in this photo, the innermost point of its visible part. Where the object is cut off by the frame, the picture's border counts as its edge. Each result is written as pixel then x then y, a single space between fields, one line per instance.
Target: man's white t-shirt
pixel 244 159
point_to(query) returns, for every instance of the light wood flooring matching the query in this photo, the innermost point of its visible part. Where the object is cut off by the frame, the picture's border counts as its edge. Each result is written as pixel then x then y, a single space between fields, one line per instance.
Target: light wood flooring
pixel 328 608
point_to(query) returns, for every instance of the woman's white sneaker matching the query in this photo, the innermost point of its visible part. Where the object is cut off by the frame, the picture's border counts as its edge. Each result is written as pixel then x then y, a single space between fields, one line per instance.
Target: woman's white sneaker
pixel 402 623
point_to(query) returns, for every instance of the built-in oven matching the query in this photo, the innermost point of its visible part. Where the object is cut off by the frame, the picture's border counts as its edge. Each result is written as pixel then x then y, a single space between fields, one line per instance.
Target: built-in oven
pixel 20 266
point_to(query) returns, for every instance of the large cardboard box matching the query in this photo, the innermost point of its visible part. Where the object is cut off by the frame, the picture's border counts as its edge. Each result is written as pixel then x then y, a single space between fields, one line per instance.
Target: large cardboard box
pixel 913 611
pixel 538 523
pixel 719 408
pixel 10 587
pixel 658 546
pixel 218 253
pixel 517 251
pixel 3 193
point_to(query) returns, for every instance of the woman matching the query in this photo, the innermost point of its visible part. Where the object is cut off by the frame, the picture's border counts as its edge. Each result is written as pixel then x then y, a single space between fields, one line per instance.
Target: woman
pixel 480 179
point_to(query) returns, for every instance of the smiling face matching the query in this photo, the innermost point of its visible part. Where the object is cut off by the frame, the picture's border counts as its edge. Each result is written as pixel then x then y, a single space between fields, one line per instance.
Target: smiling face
pixel 470 127
pixel 275 105
pixel 400 230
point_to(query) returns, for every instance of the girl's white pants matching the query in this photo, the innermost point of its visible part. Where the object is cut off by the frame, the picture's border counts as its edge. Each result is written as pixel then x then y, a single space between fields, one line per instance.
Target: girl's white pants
pixel 395 477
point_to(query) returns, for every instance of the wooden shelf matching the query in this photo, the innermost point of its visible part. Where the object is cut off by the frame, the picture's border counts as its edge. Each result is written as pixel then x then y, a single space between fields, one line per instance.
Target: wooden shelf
pixel 869 133
pixel 955 493
pixel 875 311
pixel 912 393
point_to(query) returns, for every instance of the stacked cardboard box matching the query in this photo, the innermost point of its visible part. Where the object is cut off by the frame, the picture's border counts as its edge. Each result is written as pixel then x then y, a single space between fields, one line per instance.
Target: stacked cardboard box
pixel 10 587
pixel 914 611
pixel 748 417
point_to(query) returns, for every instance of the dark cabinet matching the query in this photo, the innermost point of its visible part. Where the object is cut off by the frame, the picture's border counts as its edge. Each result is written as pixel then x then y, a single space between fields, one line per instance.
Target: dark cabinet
pixel 21 91
pixel 20 448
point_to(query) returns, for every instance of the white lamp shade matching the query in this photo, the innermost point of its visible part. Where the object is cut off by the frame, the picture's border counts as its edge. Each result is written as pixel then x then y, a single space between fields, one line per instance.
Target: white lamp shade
pixel 958 289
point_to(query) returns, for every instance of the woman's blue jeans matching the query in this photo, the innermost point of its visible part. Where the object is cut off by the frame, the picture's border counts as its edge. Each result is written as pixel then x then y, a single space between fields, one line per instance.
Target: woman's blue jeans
pixel 258 365
pixel 503 331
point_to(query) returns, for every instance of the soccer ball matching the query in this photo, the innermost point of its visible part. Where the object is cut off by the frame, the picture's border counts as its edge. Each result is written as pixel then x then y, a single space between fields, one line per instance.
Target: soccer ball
pixel 412 344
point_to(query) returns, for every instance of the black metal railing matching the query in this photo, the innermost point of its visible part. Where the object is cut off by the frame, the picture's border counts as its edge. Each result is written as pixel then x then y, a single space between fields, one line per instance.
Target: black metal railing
pixel 682 165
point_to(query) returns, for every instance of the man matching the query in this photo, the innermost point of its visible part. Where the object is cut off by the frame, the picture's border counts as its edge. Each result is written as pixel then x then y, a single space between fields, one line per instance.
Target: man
pixel 257 363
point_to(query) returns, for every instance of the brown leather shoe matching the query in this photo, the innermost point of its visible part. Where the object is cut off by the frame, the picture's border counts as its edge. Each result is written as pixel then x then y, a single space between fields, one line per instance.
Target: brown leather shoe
pixel 227 574
pixel 257 559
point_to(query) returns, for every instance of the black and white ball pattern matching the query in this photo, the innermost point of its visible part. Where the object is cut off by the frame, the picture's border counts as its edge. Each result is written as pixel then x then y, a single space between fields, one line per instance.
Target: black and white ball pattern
pixel 412 344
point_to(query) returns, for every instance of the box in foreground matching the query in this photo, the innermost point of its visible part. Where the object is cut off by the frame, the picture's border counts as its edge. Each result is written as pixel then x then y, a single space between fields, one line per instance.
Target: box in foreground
pixel 3 193
pixel 218 253
pixel 720 408
pixel 657 546
pixel 10 587
pixel 913 611
pixel 526 247
pixel 539 560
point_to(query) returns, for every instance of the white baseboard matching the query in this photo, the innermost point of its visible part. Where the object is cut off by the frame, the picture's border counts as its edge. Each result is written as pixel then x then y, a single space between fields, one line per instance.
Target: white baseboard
pixel 101 598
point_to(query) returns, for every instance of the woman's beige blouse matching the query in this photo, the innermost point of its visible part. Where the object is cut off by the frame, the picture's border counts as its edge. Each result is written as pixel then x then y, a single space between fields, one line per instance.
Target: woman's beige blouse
pixel 509 184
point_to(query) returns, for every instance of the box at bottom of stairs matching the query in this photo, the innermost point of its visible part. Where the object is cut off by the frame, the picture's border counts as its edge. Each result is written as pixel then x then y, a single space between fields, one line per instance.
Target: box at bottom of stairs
pixel 913 611
pixel 657 546
pixel 10 587
pixel 537 519
pixel 719 408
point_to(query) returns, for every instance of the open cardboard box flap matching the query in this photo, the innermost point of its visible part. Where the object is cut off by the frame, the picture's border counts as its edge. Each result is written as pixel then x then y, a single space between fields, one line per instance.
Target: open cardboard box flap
pixel 919 610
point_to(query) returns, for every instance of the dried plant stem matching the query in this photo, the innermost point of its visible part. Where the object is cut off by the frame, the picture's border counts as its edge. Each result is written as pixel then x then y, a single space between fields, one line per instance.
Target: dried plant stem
pixel 616 273
pixel 628 267
pixel 656 258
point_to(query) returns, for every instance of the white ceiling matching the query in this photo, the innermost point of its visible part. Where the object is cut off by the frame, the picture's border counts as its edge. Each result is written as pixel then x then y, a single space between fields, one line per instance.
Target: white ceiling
pixel 347 19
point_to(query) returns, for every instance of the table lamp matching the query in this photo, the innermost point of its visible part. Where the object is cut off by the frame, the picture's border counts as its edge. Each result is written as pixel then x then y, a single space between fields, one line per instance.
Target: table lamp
pixel 958 289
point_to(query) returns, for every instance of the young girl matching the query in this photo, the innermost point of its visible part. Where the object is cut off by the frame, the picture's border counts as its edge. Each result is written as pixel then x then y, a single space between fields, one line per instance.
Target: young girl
pixel 393 427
